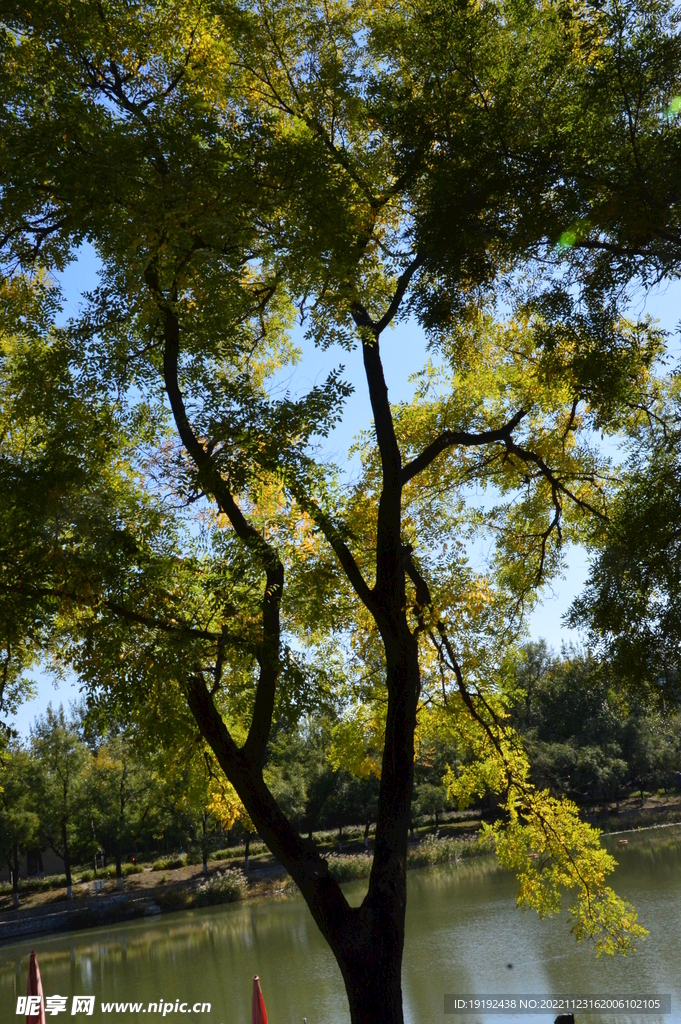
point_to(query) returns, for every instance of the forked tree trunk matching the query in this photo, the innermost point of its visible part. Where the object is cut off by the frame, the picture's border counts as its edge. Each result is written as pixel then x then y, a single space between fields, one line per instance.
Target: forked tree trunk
pixel 367 941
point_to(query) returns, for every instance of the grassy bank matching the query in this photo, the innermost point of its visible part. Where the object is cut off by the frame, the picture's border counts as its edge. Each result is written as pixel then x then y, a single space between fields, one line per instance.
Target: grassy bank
pixel 49 882
pixel 429 851
pixel 233 883
pixel 185 888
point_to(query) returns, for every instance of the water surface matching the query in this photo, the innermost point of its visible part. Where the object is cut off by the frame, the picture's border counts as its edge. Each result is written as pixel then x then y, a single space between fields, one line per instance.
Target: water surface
pixel 463 931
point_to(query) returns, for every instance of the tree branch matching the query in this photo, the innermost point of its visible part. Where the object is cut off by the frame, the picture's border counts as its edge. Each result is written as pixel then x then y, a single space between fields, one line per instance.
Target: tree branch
pixel 547 472
pixel 150 621
pixel 453 664
pixel 339 546
pixel 213 483
pixel 361 316
pixel 309 871
pixel 452 438
pixel 389 589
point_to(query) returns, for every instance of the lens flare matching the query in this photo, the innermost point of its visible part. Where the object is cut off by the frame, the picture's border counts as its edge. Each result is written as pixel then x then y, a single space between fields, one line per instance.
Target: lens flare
pixel 567 239
pixel 674 107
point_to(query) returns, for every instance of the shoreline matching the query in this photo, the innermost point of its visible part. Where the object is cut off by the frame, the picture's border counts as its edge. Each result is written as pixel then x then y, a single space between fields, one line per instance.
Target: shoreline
pixel 643 828
pixel 230 883
pixel 87 910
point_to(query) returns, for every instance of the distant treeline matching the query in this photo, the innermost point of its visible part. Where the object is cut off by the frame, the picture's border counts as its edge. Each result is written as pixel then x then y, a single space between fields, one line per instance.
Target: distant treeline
pixel 93 799
pixel 590 738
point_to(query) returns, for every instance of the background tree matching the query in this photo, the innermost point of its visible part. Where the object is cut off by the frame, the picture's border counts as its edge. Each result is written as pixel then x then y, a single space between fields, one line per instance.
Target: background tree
pixel 574 721
pixel 588 734
pixel 59 762
pixel 203 795
pixel 117 798
pixel 430 800
pixel 19 824
pixel 630 604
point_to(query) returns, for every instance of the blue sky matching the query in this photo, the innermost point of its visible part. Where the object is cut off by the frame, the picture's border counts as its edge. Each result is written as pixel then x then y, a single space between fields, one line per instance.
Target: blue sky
pixel 404 349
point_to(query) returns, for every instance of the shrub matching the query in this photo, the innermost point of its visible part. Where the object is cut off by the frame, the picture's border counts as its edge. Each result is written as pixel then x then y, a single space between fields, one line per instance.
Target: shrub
pixel 35 884
pixel 132 869
pixel 345 867
pixel 109 872
pixel 42 884
pixel 231 853
pixel 178 860
pixel 225 887
pixel 239 852
pixel 175 899
pixel 432 850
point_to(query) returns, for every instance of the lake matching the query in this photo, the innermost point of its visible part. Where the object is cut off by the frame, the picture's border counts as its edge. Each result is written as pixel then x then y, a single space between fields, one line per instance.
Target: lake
pixel 464 935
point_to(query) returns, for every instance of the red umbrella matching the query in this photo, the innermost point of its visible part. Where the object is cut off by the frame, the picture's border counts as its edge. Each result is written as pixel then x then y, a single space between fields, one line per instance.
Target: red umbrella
pixel 35 988
pixel 258 1011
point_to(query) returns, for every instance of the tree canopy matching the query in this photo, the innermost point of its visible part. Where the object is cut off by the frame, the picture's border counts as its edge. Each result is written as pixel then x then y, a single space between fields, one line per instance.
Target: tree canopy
pixel 173 528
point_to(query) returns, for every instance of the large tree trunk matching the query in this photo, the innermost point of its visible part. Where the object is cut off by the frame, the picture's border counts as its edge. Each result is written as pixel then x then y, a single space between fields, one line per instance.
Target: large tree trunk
pixel 369 951
pixel 119 869
pixel 367 941
pixel 373 965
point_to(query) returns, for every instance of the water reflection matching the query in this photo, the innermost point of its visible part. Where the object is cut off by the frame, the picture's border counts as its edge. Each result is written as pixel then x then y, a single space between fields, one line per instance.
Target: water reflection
pixel 463 931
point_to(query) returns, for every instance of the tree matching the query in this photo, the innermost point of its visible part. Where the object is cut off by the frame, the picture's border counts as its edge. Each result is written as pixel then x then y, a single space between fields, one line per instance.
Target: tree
pixel 630 605
pixel 574 721
pixel 287 770
pixel 18 820
pixel 617 201
pixel 59 761
pixel 589 730
pixel 233 167
pixel 28 310
pixel 430 799
pixel 118 797
pixel 202 794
